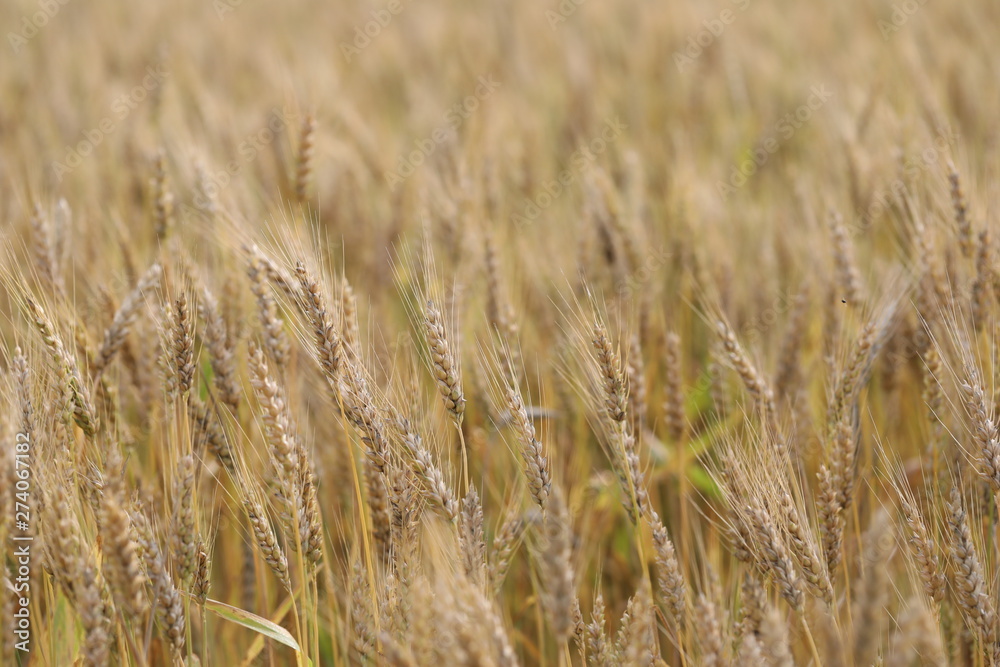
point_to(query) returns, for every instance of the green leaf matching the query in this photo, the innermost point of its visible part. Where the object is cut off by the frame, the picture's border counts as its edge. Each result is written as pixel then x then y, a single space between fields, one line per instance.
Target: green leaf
pixel 252 622
pixel 699 396
pixel 703 481
pixel 257 645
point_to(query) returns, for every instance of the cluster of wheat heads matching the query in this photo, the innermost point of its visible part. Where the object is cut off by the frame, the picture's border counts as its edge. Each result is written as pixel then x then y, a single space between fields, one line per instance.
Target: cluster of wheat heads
pixel 267 469
pixel 594 377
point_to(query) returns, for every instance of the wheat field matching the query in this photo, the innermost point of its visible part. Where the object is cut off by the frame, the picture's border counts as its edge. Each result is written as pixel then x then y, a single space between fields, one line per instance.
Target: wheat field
pixel 499 333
